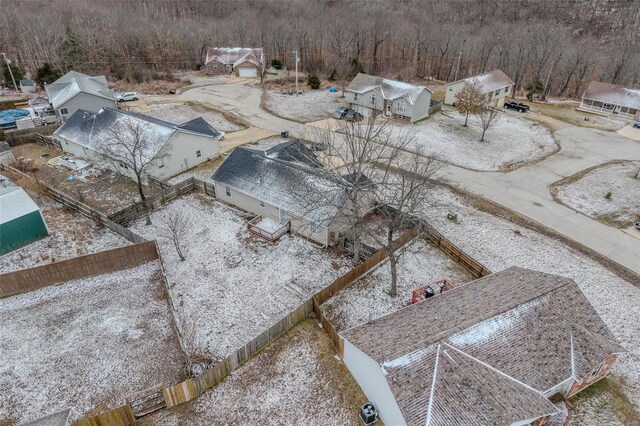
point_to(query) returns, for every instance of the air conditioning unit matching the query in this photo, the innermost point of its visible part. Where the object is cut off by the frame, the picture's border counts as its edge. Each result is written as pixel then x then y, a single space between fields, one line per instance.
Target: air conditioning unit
pixel 368 414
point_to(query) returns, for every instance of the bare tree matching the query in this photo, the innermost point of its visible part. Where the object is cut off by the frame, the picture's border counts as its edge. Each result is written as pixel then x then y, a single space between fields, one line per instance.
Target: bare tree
pixel 469 100
pixel 173 226
pixel 488 117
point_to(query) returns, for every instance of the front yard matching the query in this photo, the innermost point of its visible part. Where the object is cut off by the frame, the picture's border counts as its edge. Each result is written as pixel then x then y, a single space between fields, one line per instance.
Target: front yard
pixel 608 193
pixel 566 111
pixel 312 105
pixel 178 113
pixel 232 285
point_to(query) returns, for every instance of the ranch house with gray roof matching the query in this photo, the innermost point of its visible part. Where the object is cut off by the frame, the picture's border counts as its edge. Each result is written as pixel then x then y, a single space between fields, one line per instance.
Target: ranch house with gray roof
pixel 610 99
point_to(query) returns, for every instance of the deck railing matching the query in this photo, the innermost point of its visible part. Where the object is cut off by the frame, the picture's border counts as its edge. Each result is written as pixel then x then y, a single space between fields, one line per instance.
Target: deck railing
pixel 252 226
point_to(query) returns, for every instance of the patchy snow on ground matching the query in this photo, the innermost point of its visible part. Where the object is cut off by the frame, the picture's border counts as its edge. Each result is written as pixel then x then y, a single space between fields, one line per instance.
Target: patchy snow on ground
pixel 499 244
pixel 313 105
pixel 597 409
pixel 587 194
pixel 202 171
pixel 509 141
pixel 70 235
pixel 420 264
pixel 232 285
pixel 295 381
pixel 85 343
pixel 178 114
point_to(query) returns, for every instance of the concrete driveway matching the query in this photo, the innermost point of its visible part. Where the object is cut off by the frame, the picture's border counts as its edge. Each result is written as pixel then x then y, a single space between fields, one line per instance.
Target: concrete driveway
pixel 630 132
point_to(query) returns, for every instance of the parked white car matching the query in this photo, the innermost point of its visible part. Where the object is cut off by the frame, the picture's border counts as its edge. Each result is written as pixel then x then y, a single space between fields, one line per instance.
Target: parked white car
pixel 127 96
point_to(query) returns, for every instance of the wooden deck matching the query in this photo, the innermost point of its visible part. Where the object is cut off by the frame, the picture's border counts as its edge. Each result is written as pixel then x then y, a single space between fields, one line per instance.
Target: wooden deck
pixel 269 234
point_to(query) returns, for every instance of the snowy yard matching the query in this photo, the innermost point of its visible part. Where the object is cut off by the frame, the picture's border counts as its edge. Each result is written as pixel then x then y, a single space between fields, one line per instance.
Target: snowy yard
pixel 313 105
pixel 587 192
pixel 498 244
pixel 84 344
pixel 70 235
pixel 508 143
pixel 421 264
pixel 180 113
pixel 233 286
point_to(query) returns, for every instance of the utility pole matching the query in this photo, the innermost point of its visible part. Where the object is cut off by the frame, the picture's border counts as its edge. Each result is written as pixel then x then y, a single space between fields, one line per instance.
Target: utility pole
pixel 296 53
pixel 8 62
pixel 455 77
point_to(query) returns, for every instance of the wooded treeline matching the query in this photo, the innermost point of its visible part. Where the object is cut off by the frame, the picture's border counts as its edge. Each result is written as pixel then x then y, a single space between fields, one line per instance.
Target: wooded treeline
pixel 559 44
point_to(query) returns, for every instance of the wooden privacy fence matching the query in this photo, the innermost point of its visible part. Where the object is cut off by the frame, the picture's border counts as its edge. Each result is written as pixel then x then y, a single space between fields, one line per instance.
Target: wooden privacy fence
pixel 11 104
pixel 25 280
pixel 120 416
pixel 23 136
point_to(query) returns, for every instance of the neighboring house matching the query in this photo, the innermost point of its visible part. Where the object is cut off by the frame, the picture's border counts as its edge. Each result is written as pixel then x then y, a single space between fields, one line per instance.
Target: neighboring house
pixel 74 91
pixel 280 184
pixel 492 351
pixel 21 221
pixel 371 95
pixel 494 85
pixel 244 61
pixel 607 99
pixel 175 147
pixel 28 86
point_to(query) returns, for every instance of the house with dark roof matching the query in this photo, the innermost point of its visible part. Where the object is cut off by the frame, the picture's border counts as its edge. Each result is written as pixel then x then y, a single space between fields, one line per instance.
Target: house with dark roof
pixel 74 91
pixel 495 85
pixel 283 186
pixel 496 349
pixel 244 61
pixel 371 95
pixel 171 148
pixel 611 99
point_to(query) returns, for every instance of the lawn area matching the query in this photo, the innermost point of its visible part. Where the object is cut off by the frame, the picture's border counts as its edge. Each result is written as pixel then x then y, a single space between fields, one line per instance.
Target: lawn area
pixel 587 192
pixel 232 285
pixel 295 381
pixel 509 143
pixel 179 113
pixel 85 344
pixel 420 264
pixel 312 105
pixel 566 111
pixel 70 235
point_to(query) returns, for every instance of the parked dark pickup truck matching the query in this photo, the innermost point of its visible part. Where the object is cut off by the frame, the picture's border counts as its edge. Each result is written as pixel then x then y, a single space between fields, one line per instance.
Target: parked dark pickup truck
pixel 520 107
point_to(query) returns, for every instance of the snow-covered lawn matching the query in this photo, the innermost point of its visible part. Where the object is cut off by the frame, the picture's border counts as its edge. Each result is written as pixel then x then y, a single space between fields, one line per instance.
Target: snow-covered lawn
pixel 509 142
pixel 179 113
pixel 232 285
pixel 313 105
pixel 70 235
pixel 422 263
pixel 586 193
pixel 85 343
pixel 296 381
pixel 498 244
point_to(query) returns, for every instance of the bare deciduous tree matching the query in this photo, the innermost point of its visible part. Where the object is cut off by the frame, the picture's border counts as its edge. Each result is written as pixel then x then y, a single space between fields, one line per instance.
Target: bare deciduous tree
pixel 173 226
pixel 488 117
pixel 469 100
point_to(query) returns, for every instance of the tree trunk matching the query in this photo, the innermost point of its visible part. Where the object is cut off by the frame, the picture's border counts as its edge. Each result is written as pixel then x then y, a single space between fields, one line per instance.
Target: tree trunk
pixel 392 263
pixel 140 191
pixel 466 118
pixel 484 130
pixel 176 242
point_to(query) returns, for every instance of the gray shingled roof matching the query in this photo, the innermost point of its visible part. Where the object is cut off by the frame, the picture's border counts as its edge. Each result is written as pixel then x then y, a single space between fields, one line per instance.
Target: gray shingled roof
pixel 294 151
pixel 72 83
pixel 200 125
pixel 489 81
pixel 294 187
pixel 235 55
pixel 388 89
pixel 537 329
pixel 613 94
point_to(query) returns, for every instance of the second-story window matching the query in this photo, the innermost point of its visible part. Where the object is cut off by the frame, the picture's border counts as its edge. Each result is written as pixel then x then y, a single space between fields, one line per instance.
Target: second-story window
pixel 373 99
pixel 355 96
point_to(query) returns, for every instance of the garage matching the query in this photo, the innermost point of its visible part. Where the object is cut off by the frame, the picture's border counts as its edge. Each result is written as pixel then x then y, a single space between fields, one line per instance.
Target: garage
pixel 247 72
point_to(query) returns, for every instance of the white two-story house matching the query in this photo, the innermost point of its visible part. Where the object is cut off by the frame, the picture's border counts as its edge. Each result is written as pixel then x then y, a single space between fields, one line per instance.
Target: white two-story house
pixel 371 95
pixel 494 85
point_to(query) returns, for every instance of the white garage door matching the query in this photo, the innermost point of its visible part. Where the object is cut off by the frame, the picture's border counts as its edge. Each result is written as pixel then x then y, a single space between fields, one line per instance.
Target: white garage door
pixel 248 72
pixel 366 112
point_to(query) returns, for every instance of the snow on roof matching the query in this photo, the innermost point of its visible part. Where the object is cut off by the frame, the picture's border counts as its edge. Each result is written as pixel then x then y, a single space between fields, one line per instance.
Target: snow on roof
pixel 233 55
pixel 72 83
pixel 200 125
pixel 389 89
pixel 15 203
pixel 488 82
pixel 613 94
pixel 294 187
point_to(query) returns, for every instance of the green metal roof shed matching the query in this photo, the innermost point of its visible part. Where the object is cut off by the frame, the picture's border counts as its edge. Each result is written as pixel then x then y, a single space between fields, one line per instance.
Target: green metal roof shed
pixel 21 221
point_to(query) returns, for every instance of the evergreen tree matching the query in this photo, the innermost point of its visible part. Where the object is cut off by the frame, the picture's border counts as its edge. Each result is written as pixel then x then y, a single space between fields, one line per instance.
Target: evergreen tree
pixel 313 81
pixel 71 52
pixel 47 73
pixel 6 75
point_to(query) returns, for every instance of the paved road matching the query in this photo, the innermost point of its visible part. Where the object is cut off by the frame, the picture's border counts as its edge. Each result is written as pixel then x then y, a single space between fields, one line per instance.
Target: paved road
pixel 524 190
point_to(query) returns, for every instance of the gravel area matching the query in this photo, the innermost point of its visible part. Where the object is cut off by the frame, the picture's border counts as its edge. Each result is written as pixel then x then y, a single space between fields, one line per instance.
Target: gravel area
pixel 313 105
pixel 587 192
pixel 85 344
pixel 179 113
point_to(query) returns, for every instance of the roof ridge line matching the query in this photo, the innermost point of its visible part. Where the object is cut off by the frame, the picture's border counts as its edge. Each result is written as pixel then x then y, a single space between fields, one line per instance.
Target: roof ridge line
pixel 433 385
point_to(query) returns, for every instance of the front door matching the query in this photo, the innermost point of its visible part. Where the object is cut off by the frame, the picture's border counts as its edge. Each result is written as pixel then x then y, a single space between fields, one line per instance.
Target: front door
pixel 284 218
pixel 389 109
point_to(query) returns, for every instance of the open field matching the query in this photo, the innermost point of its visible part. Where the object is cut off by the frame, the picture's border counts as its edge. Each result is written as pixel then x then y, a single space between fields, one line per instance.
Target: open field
pixel 312 105
pixel 295 381
pixel 232 286
pixel 70 235
pixel 178 113
pixel 586 192
pixel 421 264
pixel 85 344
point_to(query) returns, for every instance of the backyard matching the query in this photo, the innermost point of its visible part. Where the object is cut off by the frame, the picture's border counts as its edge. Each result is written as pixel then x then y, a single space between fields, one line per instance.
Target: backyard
pixel 312 105
pixel 232 285
pixel 85 344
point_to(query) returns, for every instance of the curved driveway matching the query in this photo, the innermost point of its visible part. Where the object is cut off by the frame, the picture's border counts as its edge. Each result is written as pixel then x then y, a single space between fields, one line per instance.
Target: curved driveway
pixel 524 190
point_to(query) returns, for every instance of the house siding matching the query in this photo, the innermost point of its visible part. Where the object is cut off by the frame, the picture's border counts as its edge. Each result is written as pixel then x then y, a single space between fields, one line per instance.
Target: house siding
pixel 21 231
pixel 490 97
pixel 585 382
pixel 87 102
pixel 222 69
pixel 420 107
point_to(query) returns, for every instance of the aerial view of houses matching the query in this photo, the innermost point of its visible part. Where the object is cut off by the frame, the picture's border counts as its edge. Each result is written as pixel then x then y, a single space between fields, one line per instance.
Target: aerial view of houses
pixel 354 213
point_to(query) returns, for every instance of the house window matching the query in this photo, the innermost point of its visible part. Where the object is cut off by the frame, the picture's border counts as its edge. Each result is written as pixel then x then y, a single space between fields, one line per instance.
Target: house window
pixel 314 227
pixel 373 99
pixel 227 190
pixel 161 165
pixel 124 166
pixel 198 153
pixel 215 67
pixel 497 92
pixel 261 203
pixel 401 106
pixel 355 96
pixel 64 111
pixel 607 106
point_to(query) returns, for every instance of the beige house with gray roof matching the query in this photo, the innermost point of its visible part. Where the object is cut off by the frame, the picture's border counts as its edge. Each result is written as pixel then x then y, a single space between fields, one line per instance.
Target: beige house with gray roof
pixel 494 85
pixel 495 351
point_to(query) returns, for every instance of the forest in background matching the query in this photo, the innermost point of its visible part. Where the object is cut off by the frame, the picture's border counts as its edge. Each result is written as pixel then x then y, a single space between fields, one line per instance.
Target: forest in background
pixel 559 45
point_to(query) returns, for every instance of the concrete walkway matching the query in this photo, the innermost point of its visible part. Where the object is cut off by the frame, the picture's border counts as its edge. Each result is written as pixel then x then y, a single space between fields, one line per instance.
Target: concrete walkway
pixel 524 190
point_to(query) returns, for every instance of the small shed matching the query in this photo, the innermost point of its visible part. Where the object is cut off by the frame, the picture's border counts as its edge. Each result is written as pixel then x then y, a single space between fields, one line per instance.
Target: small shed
pixel 28 86
pixel 21 221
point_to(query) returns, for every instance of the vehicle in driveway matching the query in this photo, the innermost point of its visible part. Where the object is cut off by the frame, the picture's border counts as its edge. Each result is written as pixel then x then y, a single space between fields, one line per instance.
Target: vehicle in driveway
pixel 636 123
pixel 352 115
pixel 340 113
pixel 637 225
pixel 127 96
pixel 518 106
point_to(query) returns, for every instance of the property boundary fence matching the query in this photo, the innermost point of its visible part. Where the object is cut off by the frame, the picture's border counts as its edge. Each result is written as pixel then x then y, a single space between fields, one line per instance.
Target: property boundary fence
pixel 23 136
pixel 120 416
pixel 11 104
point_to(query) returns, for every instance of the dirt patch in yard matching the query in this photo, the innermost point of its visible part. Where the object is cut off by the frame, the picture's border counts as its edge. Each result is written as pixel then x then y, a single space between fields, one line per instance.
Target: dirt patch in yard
pixel 603 403
pixel 566 111
pixel 179 113
pixel 312 105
